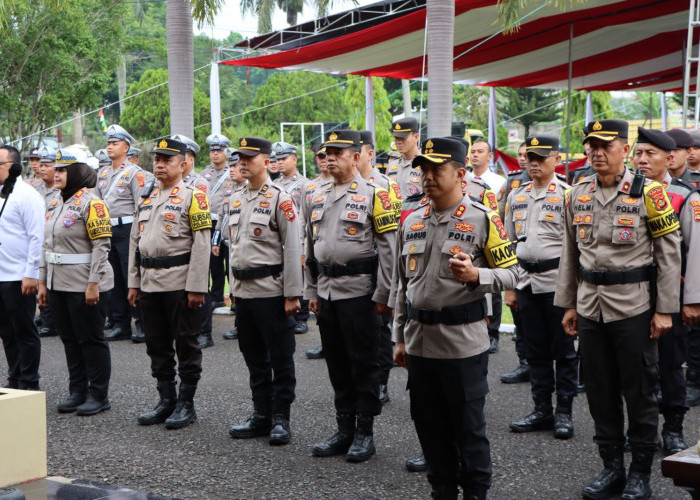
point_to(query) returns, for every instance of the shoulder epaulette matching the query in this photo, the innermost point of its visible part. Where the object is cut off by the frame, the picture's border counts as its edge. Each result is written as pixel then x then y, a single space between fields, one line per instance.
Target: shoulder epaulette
pixel 514 172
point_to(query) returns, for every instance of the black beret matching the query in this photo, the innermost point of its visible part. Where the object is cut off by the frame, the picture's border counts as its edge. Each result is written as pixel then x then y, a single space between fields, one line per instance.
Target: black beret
pixel 682 138
pixel 656 138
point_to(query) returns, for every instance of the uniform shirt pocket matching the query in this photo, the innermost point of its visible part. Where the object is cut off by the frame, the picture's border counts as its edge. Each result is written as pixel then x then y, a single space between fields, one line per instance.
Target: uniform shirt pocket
pixel 549 225
pixel 352 225
pixel 583 222
pixel 625 229
pixel 414 255
pixel 259 226
pixel 171 223
pixel 448 251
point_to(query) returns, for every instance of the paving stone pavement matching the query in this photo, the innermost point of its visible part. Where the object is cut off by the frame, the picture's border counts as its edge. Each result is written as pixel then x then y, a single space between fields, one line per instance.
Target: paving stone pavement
pixel 203 462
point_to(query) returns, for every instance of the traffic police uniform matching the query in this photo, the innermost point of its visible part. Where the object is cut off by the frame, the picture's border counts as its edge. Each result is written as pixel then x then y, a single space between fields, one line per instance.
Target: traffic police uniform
pixel 534 220
pixel 48 158
pixel 441 321
pixel 133 155
pixel 102 158
pixel 296 186
pixel 220 187
pixel 76 244
pixel 120 189
pixel 350 244
pixel 401 169
pixel 606 274
pixel 265 267
pixel 35 181
pixel 169 257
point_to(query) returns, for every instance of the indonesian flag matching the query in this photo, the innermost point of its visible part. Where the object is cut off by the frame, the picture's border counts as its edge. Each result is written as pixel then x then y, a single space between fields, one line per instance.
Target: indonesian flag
pixel 103 122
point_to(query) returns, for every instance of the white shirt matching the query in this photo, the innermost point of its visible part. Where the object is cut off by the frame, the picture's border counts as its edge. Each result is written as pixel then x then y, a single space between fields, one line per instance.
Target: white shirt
pixel 21 233
pixel 494 180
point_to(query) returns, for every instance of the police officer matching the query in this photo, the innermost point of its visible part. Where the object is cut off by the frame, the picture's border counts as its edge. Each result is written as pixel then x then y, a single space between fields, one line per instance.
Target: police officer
pixel 49 192
pixel 693 160
pixel 266 283
pixel 350 242
pixel 534 222
pixel 190 176
pixel 679 168
pixel 617 303
pixel 296 186
pixel 406 138
pixel 586 169
pixel 653 154
pixel 120 185
pixel 133 155
pixel 34 159
pixel 74 277
pixel 102 158
pixel 451 252
pixel 168 262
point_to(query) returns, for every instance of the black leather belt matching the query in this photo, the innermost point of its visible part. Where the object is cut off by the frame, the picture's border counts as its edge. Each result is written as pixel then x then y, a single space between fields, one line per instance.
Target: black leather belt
pixel 356 266
pixel 165 262
pixel 450 315
pixel 254 273
pixel 540 266
pixel 616 277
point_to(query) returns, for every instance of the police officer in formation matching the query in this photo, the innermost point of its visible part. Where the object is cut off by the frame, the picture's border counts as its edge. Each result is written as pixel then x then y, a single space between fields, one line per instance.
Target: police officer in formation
pixel 451 252
pixel 190 176
pixel 406 138
pixel 351 231
pixel 266 282
pixel 74 277
pixel 119 185
pixel 34 160
pixel 653 155
pixel 133 155
pixel 168 279
pixel 619 281
pixel 534 220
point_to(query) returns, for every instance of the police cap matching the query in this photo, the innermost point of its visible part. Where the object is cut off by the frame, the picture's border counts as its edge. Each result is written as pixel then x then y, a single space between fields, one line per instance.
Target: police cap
pixel 439 150
pixel 47 154
pixel 253 146
pixel 117 133
pixel 169 147
pixel 283 149
pixel 342 139
pixel 70 156
pixel 192 146
pixel 218 142
pixel 133 152
pixel 607 130
pixel 366 138
pixel 403 127
pixel 34 153
pixel 541 145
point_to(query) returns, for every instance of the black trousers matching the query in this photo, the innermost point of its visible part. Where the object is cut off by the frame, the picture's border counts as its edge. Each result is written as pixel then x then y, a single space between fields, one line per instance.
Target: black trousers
pixel 266 340
pixel 351 345
pixel 495 319
pixel 447 408
pixel 20 338
pixel 81 328
pixel 171 329
pixel 218 267
pixel 621 361
pixel 519 339
pixel 673 352
pixel 118 258
pixel 46 316
pixel 550 351
pixel 303 315
pixel 386 348
pixel 694 355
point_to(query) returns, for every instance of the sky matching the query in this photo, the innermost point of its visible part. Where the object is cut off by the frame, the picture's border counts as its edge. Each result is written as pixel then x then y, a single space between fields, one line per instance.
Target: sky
pixel 231 19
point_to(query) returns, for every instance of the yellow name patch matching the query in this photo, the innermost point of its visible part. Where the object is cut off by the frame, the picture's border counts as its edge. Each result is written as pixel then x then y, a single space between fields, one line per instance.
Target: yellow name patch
pixel 98 224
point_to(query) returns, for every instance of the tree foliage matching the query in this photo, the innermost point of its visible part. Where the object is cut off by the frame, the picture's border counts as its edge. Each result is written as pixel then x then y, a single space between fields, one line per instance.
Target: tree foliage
pixel 56 60
pixel 601 110
pixel 355 101
pixel 263 9
pixel 529 107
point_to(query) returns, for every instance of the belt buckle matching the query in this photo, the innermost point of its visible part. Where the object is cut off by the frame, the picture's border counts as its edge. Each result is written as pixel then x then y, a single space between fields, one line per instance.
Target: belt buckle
pixel 57 258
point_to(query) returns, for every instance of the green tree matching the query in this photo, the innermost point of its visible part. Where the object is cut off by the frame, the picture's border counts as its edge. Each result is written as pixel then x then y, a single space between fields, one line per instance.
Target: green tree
pixel 471 106
pixel 264 9
pixel 147 116
pixel 55 60
pixel 355 101
pixel 529 107
pixel 300 99
pixel 601 110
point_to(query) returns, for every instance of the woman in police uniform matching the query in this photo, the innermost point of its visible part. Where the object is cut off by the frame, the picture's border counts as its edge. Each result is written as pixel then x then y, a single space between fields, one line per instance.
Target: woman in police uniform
pixel 73 277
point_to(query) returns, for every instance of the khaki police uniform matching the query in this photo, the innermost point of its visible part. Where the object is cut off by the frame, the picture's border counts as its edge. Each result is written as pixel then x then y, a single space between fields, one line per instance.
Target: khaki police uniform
pixel 169 257
pixel 76 246
pixel 196 181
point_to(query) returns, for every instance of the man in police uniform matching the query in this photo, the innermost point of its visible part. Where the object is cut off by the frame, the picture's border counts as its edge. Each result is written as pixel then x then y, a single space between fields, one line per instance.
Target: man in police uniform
pixel 102 158
pixel 133 155
pixel 451 253
pixel 266 283
pixel 168 262
pixel 406 137
pixel 534 222
pixel 119 185
pixel 618 303
pixel 220 188
pixel 296 186
pixel 654 153
pixel 190 176
pixel 679 168
pixel 350 243
pixel 694 152
pixel 49 193
pixel 274 168
pixel 34 159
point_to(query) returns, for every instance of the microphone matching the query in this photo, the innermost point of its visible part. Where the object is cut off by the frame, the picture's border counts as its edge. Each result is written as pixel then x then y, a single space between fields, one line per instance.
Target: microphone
pixel 9 185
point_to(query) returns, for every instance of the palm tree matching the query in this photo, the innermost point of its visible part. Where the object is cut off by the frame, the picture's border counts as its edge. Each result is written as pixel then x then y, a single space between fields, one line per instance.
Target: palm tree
pixel 264 8
pixel 180 45
pixel 440 24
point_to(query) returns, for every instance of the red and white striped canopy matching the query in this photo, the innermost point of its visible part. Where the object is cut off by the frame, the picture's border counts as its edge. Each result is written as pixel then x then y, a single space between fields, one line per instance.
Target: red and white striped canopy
pixel 616 45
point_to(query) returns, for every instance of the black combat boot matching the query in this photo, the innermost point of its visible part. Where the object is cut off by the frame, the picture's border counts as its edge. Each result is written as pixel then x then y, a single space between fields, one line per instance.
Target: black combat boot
pixel 362 447
pixel 417 464
pixel 205 340
pixel 339 442
pixel 258 424
pixel 540 419
pixel 71 404
pixel 383 393
pixel 611 479
pixel 520 374
pixel 184 413
pixel 563 425
pixel 444 493
pixel 164 408
pixel 672 432
pixel 637 487
pixel 137 336
pixel 280 433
